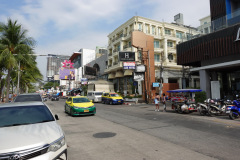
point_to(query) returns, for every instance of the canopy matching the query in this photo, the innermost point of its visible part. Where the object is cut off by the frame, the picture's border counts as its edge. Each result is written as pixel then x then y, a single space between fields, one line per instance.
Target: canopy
pixel 184 90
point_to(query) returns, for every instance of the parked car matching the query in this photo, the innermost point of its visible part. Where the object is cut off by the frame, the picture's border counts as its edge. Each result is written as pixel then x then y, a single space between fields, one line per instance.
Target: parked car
pixel 95 96
pixel 112 98
pixel 30 131
pixel 79 105
pixel 54 98
pixel 29 97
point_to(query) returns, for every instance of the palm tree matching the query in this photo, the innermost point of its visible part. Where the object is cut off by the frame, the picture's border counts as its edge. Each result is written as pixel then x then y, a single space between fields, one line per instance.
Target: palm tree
pixel 16 45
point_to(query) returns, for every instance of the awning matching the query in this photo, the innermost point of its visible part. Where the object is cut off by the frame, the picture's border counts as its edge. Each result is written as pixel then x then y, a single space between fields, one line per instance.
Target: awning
pixel 184 90
pixel 128 72
pixel 119 74
pixel 111 76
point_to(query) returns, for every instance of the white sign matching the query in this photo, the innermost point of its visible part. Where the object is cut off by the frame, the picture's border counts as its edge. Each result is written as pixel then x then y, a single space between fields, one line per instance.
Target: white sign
pixel 140 68
pixel 138 76
pixel 129 65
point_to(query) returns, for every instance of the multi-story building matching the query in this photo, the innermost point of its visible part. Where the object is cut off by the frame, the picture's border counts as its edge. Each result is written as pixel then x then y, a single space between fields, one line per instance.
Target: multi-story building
pixel 205 25
pixel 80 59
pixel 166 37
pixel 54 62
pixel 216 56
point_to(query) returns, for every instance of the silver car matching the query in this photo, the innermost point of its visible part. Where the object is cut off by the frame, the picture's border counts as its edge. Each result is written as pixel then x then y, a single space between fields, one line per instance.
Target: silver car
pixel 28 130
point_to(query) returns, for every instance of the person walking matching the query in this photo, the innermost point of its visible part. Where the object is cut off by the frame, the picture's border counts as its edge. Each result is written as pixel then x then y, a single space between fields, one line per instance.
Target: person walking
pixel 156 101
pixel 164 102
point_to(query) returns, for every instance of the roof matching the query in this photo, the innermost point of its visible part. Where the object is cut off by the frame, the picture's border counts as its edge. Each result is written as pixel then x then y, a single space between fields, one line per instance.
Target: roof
pixel 16 104
pixel 74 55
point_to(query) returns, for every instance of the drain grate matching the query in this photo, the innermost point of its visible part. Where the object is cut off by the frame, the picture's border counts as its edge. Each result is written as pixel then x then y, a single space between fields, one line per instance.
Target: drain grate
pixel 104 135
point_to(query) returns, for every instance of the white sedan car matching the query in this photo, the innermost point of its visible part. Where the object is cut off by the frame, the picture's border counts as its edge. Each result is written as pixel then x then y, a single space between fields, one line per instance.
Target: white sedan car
pixel 28 130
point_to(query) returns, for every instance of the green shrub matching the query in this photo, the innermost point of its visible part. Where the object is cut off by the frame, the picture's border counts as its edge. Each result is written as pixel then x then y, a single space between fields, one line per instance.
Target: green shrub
pixel 200 96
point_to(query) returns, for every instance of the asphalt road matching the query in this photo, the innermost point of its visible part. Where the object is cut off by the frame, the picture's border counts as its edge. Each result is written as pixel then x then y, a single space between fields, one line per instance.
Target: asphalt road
pixel 137 132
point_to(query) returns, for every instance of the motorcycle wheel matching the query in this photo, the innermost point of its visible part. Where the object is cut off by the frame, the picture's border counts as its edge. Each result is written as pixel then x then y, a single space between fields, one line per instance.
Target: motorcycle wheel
pixel 232 115
pixel 179 109
pixel 202 112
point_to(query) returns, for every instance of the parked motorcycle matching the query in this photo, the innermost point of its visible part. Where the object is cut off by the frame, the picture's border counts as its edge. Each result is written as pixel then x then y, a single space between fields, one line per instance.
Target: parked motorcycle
pixel 203 107
pixel 186 107
pixel 217 107
pixel 234 110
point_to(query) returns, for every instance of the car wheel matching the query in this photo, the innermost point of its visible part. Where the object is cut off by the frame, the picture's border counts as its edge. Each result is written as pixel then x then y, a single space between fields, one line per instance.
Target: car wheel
pixel 71 112
pixel 103 102
pixel 111 102
pixel 65 109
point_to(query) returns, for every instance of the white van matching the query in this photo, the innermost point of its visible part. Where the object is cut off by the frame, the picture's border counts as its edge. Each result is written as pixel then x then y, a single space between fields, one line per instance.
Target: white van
pixel 95 96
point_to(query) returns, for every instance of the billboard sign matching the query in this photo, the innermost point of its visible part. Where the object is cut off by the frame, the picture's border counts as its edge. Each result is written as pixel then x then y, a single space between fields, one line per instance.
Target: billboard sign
pixel 90 71
pixel 156 84
pixel 129 65
pixel 67 73
pixel 127 56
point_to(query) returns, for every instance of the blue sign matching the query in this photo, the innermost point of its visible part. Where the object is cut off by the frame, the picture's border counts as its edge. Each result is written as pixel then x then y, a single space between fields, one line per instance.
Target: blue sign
pixel 156 84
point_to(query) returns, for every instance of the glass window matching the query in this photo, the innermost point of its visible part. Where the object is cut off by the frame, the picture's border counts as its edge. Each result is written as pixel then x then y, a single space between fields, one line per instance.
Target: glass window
pixel 159 31
pixel 156 44
pixel 167 31
pixel 170 44
pixel 153 29
pixel 80 100
pixel 170 56
pixel 26 98
pixel 147 28
pixel 179 35
pixel 156 57
pixel 139 26
pixel 22 115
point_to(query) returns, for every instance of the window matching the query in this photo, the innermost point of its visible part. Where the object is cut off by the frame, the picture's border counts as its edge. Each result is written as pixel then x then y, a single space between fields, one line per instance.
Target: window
pixel 147 28
pixel 167 31
pixel 206 30
pixel 156 57
pixel 170 44
pixel 159 31
pixel 156 44
pixel 179 34
pixel 153 29
pixel 170 57
pixel 118 47
pixel 140 26
pixel 129 44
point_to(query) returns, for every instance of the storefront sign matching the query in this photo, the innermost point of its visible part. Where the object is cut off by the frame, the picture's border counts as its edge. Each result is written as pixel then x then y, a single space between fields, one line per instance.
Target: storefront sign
pixel 129 65
pixel 140 68
pixel 127 56
pixel 156 84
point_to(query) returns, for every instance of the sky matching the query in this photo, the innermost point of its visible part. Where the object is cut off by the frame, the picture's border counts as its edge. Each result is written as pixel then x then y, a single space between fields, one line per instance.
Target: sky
pixel 64 26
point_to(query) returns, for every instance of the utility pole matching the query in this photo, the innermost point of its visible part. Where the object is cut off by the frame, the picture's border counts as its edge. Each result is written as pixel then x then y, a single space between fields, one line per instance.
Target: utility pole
pixel 161 74
pixel 18 78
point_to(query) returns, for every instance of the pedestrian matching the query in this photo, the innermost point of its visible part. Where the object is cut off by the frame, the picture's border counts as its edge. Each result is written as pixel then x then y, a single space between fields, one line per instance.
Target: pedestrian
pixel 164 102
pixel 156 101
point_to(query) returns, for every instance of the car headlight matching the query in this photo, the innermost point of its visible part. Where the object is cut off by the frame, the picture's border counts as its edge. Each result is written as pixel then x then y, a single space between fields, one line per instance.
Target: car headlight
pixel 91 106
pixel 56 145
pixel 75 107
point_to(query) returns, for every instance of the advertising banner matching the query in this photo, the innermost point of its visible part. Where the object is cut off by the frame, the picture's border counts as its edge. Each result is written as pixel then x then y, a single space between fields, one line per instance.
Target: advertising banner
pixel 67 73
pixel 138 76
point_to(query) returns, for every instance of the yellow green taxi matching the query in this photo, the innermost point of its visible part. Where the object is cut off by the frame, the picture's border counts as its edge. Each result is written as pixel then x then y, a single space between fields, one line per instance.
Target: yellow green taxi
pixel 79 105
pixel 111 98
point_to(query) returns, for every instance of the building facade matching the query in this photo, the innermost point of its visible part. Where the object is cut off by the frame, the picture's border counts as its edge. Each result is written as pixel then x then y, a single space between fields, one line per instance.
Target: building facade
pixel 216 56
pixel 166 37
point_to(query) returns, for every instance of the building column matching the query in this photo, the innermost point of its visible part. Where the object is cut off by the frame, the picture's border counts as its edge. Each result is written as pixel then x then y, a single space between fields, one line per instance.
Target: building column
pixel 205 82
pixel 165 49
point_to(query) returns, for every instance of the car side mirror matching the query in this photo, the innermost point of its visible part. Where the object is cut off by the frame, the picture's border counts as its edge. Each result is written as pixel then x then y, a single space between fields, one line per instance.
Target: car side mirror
pixel 56 117
pixel 90 100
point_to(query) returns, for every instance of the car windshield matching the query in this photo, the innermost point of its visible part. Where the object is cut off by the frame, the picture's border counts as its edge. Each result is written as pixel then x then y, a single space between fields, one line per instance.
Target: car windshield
pixel 98 93
pixel 55 96
pixel 80 100
pixel 26 98
pixel 22 115
pixel 114 95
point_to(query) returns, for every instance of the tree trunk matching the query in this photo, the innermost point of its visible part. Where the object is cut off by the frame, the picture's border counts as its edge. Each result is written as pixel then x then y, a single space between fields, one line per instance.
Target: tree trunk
pixel 8 85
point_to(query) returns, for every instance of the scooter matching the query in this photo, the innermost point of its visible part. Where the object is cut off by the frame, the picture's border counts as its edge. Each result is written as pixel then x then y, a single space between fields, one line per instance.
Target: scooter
pixel 203 107
pixel 217 107
pixel 234 110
